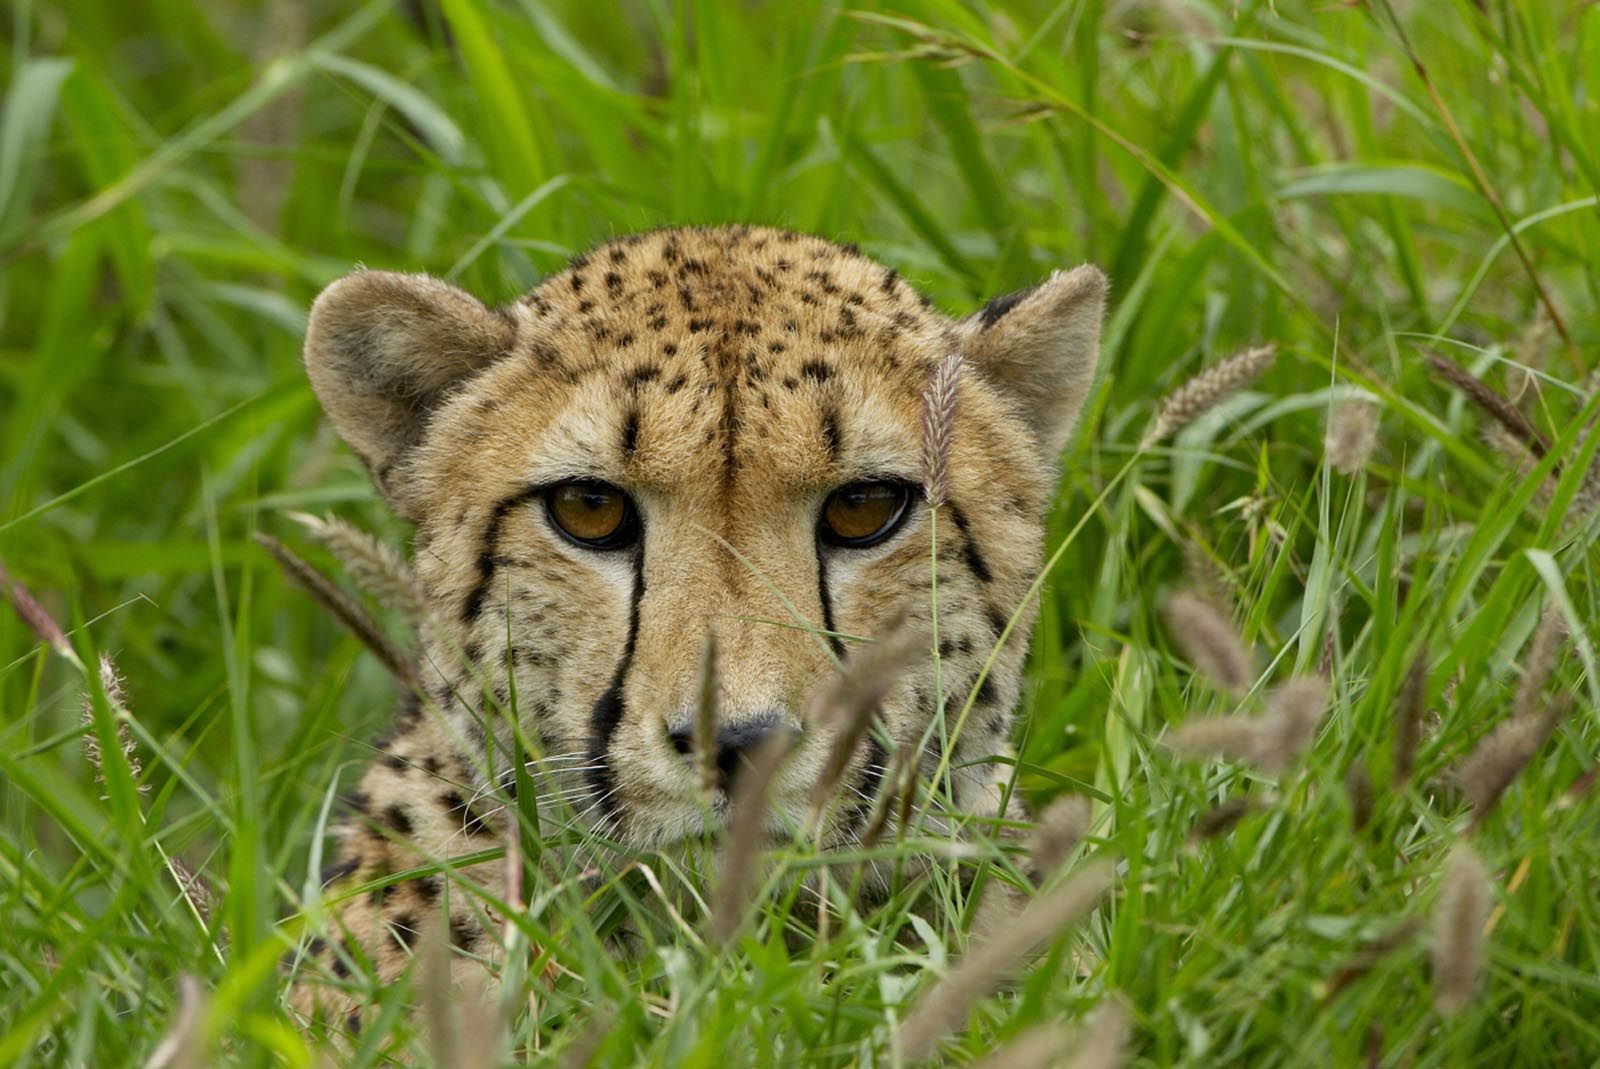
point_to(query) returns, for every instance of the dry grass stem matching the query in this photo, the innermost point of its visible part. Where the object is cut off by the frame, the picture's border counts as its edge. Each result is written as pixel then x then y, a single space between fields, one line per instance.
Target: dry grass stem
pixel 705 718
pixel 342 607
pixel 1352 436
pixel 184 1045
pixel 1203 392
pixel 847 703
pixel 938 427
pixel 1411 705
pixel 1058 831
pixel 1459 916
pixel 747 834
pixel 463 1029
pixel 944 1008
pixel 1544 656
pixel 1491 402
pixel 1210 642
pixel 381 573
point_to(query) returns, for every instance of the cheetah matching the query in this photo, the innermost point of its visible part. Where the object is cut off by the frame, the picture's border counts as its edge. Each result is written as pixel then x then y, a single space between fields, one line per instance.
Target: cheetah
pixel 687 431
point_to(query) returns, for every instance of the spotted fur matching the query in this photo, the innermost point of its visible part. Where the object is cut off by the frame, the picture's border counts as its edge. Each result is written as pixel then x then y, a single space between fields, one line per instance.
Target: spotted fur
pixel 728 379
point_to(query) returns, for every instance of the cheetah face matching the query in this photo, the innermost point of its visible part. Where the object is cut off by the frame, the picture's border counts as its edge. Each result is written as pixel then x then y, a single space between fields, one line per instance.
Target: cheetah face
pixel 696 431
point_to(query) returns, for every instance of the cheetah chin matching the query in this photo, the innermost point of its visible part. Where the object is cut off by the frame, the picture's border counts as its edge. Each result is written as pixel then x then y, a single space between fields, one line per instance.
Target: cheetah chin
pixel 684 433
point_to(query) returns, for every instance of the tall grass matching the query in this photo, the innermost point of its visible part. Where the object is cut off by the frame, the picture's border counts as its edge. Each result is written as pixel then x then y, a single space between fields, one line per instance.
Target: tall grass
pixel 1363 186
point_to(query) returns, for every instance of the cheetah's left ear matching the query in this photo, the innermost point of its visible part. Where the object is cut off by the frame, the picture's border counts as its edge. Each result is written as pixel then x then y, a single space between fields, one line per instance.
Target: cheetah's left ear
pixel 1041 347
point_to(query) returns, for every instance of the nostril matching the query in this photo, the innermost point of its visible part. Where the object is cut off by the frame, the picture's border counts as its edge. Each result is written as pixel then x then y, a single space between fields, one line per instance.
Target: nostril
pixel 682 739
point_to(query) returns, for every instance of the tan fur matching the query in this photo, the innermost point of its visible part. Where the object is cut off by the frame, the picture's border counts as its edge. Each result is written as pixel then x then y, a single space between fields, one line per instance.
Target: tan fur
pixel 728 380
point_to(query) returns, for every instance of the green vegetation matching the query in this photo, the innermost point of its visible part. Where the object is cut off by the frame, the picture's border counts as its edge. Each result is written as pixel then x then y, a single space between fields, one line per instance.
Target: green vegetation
pixel 1360 184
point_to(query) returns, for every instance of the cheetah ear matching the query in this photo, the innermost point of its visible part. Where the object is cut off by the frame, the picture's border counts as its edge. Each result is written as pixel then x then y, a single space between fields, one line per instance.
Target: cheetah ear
pixel 383 350
pixel 1041 346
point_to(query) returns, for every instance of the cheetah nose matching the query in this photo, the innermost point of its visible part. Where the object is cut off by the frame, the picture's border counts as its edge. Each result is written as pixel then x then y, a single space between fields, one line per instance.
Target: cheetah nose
pixel 736 743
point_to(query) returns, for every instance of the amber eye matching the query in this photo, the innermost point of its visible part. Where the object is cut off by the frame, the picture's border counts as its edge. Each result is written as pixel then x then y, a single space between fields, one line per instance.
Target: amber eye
pixel 864 514
pixel 592 514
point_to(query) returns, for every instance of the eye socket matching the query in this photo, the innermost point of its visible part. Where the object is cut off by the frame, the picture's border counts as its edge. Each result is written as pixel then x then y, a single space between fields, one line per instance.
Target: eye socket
pixel 594 515
pixel 865 513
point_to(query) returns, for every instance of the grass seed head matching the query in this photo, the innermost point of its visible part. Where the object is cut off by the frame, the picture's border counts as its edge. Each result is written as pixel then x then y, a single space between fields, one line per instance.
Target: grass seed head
pixel 705 717
pixel 948 1003
pixel 1103 1043
pixel 1210 642
pixel 1411 705
pixel 1205 390
pixel 1059 829
pixel 1041 1047
pixel 1352 436
pixel 1358 789
pixel 747 834
pixel 1220 819
pixel 939 426
pixel 1459 916
pixel 184 1045
pixel 848 701
pixel 381 573
pixel 39 621
pixel 116 697
pixel 1294 714
pixel 1494 764
pixel 342 607
pixel 1488 400
pixel 1544 656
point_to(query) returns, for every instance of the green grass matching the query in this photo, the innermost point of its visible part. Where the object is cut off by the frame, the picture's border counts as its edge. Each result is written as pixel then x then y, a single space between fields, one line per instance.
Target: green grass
pixel 177 179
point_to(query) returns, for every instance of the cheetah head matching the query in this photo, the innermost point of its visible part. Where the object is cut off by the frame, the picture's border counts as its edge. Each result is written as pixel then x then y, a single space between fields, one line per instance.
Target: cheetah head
pixel 706 431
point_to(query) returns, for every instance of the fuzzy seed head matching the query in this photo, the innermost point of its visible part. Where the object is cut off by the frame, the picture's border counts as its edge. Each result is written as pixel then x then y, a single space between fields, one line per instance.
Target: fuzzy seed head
pixel 1544 656
pixel 948 1003
pixel 30 612
pixel 380 572
pixel 1059 829
pixel 1411 705
pixel 939 403
pixel 1358 788
pixel 1459 916
pixel 1204 391
pixel 705 718
pixel 746 835
pixel 1210 642
pixel 1352 436
pixel 1495 762
pixel 116 699
pixel 1221 819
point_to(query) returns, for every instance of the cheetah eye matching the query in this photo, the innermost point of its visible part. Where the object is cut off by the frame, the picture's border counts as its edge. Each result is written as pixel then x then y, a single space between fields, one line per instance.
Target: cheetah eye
pixel 592 514
pixel 865 513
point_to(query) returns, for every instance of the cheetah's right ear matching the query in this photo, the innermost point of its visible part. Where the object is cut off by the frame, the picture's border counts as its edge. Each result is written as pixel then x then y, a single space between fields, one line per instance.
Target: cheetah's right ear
pixel 1041 346
pixel 383 350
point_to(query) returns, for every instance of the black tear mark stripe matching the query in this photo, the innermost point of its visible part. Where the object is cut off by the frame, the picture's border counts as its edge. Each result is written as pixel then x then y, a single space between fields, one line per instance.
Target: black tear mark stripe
pixel 473 606
pixel 969 547
pixel 824 596
pixel 607 714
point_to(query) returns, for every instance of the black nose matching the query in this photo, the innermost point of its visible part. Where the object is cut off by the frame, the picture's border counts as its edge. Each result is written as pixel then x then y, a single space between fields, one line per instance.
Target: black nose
pixel 735 743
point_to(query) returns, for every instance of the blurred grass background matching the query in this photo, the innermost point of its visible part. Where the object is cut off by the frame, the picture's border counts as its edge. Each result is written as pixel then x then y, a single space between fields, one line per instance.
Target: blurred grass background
pixel 1359 183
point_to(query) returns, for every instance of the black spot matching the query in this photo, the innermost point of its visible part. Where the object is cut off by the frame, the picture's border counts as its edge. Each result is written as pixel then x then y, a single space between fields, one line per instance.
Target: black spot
pixel 698 325
pixel 791 383
pixel 746 326
pixel 432 765
pixel 891 280
pixel 613 282
pixel 776 347
pixel 464 932
pixel 460 808
pixel 338 870
pixel 619 255
pixel 630 432
pixel 355 800
pixel 397 818
pixel 991 313
pixel 670 349
pixel 406 925
pixel 658 323
pixel 677 383
pixel 986 694
pixel 830 434
pixel 658 279
pixel 816 370
pixel 642 374
pixel 577 283
pixel 394 761
pixel 353 1022
pixel 624 339
pixel 997 621
pixel 969 548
